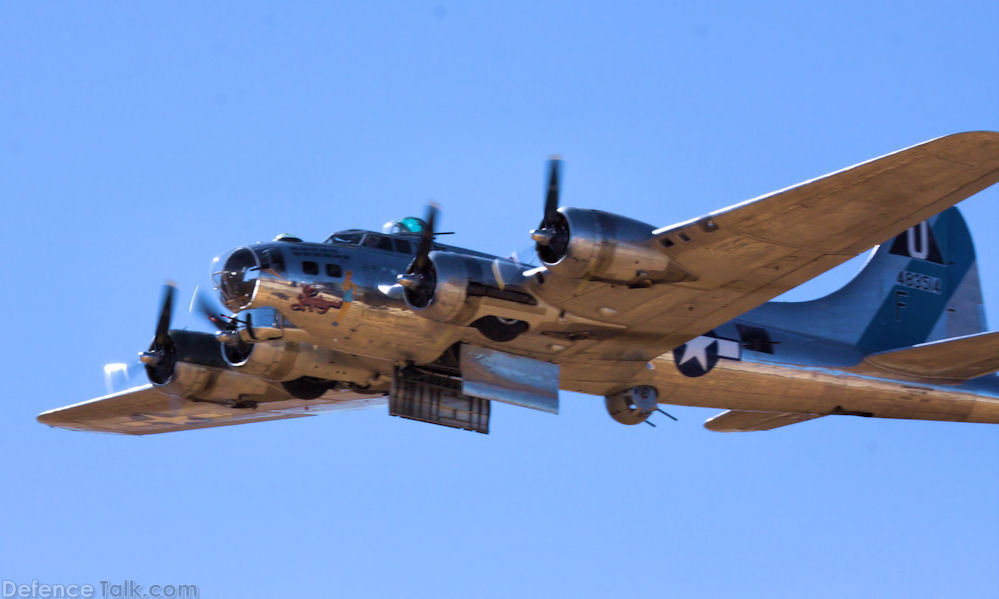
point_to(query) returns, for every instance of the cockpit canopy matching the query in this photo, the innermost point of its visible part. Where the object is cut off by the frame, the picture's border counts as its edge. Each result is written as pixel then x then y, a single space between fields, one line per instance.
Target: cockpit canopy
pixel 372 240
pixel 391 239
pixel 348 237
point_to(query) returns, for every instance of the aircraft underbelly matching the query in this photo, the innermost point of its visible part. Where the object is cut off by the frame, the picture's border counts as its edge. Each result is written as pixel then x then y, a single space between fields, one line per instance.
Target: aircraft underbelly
pixel 760 386
pixel 373 326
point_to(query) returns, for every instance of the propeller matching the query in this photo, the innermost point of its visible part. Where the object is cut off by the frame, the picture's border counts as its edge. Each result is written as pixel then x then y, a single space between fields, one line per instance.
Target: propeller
pixel 226 325
pixel 158 361
pixel 554 183
pixel 169 347
pixel 119 376
pixel 212 312
pixel 422 259
pixel 552 235
pixel 161 356
pixel 420 277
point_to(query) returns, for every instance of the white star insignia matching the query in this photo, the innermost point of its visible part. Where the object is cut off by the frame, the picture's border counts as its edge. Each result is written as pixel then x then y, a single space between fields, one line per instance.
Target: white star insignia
pixel 697 349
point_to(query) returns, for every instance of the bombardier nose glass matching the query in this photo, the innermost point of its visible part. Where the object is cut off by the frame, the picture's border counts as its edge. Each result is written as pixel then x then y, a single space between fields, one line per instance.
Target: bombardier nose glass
pixel 237 279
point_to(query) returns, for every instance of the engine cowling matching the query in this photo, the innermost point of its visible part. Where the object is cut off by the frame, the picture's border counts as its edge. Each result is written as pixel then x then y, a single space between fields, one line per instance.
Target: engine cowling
pixel 451 279
pixel 598 245
pixel 190 365
pixel 284 361
pixel 443 290
pixel 180 348
pixel 211 383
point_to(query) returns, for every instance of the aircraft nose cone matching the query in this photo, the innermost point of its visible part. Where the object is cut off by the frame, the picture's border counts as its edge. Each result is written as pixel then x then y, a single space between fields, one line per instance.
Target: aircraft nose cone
pixel 237 280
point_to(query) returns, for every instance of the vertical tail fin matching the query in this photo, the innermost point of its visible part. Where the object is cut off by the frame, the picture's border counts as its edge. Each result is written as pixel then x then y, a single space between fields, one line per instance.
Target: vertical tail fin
pixel 920 286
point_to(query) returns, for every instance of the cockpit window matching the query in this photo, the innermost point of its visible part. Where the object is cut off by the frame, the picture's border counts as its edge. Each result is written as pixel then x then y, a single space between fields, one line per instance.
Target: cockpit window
pixel 346 237
pixel 379 242
pixel 403 246
pixel 272 258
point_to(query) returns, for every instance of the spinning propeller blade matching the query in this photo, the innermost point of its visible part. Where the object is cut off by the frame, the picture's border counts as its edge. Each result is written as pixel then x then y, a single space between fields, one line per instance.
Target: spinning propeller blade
pixel 420 262
pixel 420 279
pixel 212 311
pixel 166 310
pixel 554 185
pixel 548 230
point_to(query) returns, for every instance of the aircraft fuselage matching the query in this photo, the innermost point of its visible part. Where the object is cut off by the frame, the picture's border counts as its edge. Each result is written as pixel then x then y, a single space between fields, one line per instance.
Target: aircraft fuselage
pixel 346 297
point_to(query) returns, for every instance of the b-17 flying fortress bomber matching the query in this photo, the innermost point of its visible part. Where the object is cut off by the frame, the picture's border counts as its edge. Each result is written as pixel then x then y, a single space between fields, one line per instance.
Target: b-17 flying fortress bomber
pixel 611 306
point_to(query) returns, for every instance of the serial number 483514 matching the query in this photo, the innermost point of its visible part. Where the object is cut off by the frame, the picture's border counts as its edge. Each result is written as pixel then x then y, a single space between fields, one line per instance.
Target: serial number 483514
pixel 915 280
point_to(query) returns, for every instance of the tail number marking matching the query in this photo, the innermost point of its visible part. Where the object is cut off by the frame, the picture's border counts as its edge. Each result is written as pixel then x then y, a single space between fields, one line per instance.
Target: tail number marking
pixel 914 280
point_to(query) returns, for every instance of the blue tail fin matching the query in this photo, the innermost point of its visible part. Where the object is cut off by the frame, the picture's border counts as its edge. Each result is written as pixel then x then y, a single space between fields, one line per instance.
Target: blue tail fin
pixel 920 286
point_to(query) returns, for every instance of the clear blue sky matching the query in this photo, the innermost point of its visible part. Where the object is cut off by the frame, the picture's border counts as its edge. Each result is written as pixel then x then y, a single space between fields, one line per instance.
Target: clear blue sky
pixel 138 140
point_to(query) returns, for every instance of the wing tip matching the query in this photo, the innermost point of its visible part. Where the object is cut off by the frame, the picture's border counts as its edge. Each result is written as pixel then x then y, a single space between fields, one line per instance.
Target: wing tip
pixel 976 133
pixel 980 135
pixel 53 419
pixel 47 418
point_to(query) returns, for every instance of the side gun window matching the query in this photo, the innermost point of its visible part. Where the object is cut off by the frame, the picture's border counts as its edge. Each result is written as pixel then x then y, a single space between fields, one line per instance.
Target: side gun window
pixel 334 270
pixel 310 268
pixel 755 339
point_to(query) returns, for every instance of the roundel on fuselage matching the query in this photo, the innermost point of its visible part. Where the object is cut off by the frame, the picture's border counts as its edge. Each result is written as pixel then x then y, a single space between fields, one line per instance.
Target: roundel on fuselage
pixel 696 357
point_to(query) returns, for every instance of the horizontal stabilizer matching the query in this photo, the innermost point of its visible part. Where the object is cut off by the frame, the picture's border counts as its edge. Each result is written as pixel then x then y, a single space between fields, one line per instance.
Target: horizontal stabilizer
pixel 947 361
pixel 741 421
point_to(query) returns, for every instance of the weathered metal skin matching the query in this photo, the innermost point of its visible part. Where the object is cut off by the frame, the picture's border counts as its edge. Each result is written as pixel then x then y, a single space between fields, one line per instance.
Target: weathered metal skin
pixel 364 311
pixel 685 312
pixel 286 361
pixel 766 386
pixel 366 320
pixel 205 383
pixel 458 278
pixel 450 289
pixel 351 313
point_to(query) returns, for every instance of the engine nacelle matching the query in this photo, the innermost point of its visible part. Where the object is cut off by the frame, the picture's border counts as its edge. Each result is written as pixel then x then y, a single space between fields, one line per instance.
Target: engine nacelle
pixel 453 278
pixel 191 366
pixel 599 245
pixel 634 405
pixel 441 296
pixel 184 348
pixel 289 360
pixel 211 383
